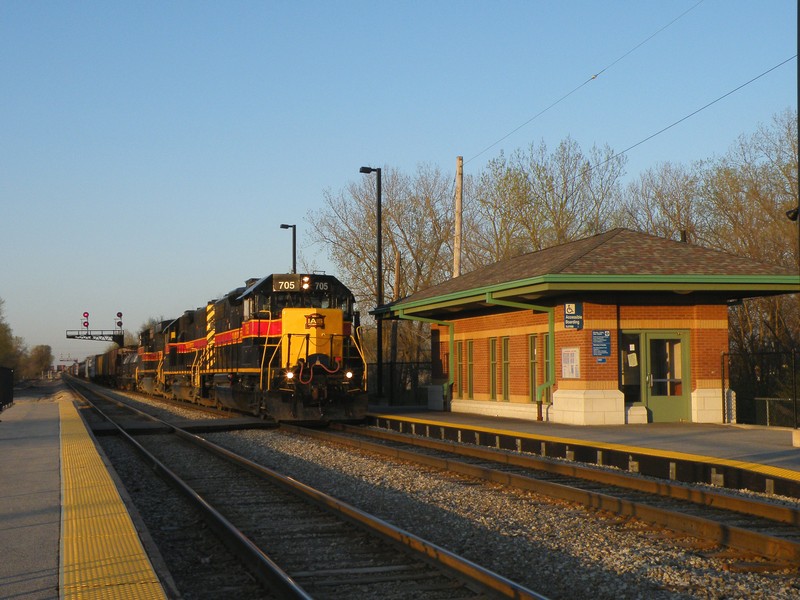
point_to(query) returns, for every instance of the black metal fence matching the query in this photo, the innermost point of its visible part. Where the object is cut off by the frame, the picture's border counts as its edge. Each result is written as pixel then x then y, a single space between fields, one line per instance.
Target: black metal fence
pixel 765 384
pixel 404 383
pixel 6 387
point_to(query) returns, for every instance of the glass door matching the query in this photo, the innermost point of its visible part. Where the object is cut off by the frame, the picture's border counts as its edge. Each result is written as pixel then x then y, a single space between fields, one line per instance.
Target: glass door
pixel 654 370
pixel 666 385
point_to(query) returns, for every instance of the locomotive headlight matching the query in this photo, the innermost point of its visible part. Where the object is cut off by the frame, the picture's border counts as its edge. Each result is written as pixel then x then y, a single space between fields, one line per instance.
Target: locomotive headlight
pixel 349 374
pixel 305 282
pixel 289 374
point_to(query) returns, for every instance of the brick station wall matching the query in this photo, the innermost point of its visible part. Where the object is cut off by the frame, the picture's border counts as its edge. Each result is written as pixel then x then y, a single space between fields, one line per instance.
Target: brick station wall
pixel 707 326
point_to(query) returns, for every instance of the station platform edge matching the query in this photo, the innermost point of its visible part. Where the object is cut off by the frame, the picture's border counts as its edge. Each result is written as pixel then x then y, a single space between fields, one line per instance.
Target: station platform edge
pixel 767 451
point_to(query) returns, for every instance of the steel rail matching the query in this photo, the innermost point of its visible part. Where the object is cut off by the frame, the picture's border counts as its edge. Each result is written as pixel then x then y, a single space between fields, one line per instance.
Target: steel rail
pixel 730 536
pixel 478 575
pixel 263 568
pixel 668 489
pixel 487 579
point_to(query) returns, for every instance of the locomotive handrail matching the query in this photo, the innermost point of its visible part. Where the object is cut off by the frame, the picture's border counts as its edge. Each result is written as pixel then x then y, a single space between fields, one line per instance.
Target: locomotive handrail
pixel 269 366
pixel 272 359
pixel 264 356
pixel 160 371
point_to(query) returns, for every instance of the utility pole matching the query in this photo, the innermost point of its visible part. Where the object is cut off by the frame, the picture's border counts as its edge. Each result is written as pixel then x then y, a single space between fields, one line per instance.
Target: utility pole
pixel 458 211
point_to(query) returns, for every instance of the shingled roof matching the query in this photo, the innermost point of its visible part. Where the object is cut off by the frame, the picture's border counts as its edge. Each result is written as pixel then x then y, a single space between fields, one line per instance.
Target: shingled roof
pixel 621 260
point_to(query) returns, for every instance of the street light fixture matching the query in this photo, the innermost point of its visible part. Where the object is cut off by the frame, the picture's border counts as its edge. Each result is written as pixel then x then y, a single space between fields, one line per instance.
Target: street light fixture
pixel 378 277
pixel 294 244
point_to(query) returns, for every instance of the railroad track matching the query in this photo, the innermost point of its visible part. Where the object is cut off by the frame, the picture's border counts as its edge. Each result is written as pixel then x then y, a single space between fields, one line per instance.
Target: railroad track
pixel 297 541
pixel 748 525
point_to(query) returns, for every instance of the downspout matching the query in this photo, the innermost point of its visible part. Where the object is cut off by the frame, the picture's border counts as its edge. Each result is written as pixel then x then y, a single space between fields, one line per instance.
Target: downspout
pixel 451 361
pixel 551 343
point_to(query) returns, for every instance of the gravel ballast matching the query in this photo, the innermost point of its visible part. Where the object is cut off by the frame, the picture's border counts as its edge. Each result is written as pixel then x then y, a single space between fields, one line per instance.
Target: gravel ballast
pixel 556 548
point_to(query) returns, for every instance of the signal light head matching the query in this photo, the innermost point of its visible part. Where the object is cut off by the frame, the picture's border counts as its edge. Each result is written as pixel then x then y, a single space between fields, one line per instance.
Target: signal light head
pixel 85 315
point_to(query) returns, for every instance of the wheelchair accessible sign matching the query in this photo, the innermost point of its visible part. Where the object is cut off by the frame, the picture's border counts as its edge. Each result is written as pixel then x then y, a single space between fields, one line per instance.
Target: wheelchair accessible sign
pixel 573 316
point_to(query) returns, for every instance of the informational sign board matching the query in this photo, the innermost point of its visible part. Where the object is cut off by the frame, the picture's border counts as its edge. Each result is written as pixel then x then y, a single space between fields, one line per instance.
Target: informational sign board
pixel 573 315
pixel 601 342
pixel 571 363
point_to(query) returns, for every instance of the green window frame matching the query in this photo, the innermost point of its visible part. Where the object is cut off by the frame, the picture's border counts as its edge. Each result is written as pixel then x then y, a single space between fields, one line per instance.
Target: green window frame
pixel 506 367
pixel 548 359
pixel 459 369
pixel 470 370
pixel 493 368
pixel 533 379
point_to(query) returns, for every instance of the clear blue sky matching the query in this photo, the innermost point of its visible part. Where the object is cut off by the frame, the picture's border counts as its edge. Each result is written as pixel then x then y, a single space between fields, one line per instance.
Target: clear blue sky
pixel 149 150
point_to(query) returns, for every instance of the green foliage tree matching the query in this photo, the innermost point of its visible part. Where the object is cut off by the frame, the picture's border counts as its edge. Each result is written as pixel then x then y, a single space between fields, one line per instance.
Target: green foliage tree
pixel 8 355
pixel 37 361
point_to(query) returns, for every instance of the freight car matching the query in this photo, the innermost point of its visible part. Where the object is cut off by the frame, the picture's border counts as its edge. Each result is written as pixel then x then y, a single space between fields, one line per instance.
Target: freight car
pixel 108 368
pixel 286 347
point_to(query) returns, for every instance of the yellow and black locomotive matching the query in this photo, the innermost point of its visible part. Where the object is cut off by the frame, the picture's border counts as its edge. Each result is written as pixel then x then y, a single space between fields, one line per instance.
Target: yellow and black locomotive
pixel 285 347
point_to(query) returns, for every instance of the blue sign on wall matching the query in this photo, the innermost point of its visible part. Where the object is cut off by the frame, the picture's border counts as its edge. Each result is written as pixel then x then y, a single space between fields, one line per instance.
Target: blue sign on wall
pixel 573 315
pixel 601 342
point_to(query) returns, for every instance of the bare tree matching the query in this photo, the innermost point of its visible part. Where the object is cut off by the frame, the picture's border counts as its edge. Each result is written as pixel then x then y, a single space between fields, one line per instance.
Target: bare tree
pixel 573 195
pixel 663 201
pixel 491 223
pixel 736 203
pixel 538 199
pixel 417 230
pixel 746 195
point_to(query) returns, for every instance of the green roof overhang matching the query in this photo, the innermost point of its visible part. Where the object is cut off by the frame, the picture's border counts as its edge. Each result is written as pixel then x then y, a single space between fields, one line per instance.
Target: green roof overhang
pixel 725 287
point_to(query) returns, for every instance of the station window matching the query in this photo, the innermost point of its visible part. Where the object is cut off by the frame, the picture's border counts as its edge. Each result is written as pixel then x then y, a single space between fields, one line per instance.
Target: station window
pixel 459 369
pixel 548 359
pixel 493 368
pixel 470 370
pixel 532 367
pixel 505 360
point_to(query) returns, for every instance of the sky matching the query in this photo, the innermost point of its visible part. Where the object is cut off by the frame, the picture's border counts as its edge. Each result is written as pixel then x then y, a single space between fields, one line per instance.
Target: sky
pixel 149 150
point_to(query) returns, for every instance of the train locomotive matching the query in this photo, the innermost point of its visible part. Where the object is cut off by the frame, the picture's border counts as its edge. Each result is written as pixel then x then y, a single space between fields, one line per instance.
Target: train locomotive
pixel 285 347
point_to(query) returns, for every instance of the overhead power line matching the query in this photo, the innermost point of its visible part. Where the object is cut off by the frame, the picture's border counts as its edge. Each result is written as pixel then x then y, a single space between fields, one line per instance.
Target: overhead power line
pixel 693 113
pixel 590 79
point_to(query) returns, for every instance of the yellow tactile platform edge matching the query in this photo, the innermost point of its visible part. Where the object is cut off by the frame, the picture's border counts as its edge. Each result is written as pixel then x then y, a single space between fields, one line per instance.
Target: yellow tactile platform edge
pixel 767 470
pixel 101 553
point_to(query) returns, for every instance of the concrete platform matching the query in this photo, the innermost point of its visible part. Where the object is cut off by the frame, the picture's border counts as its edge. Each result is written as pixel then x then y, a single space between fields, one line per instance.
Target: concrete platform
pixel 768 446
pixel 64 531
pixel 30 496
pixel 760 459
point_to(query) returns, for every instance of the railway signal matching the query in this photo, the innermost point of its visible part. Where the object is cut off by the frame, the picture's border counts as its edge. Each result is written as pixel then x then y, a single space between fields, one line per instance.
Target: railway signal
pixel 115 334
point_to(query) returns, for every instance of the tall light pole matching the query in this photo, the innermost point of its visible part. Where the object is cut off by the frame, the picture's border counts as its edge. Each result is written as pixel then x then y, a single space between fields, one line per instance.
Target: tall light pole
pixel 379 278
pixel 793 215
pixel 294 244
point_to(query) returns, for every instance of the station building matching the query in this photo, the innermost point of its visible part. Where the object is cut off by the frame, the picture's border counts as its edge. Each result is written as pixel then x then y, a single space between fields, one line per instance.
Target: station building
pixel 621 327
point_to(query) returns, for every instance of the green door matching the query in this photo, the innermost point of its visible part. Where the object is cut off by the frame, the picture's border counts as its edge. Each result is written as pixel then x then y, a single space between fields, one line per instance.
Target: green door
pixel 666 376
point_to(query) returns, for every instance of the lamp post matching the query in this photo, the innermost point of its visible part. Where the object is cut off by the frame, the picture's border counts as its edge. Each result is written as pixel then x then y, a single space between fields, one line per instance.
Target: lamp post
pixel 294 244
pixel 793 215
pixel 378 277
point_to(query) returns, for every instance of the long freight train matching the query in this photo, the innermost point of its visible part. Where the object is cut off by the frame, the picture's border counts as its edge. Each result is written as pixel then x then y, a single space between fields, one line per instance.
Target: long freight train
pixel 284 347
